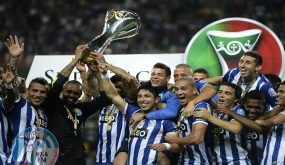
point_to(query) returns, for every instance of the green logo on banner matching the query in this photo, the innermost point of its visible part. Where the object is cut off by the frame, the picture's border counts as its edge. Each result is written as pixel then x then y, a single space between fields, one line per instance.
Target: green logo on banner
pixel 219 46
pixel 230 46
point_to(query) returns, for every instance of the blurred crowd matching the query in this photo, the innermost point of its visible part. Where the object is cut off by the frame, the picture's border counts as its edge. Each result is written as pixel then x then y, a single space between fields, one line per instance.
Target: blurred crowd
pixel 56 27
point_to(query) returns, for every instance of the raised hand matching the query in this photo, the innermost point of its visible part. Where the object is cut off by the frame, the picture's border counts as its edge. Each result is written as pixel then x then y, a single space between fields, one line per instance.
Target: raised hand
pixel 80 66
pixel 99 57
pixel 79 51
pixel 8 76
pixel 16 49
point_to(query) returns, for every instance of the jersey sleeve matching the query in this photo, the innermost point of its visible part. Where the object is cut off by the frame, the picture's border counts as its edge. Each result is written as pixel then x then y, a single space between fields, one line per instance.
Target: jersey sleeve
pixel 169 112
pixel 239 110
pixel 56 88
pixel 270 95
pixel 200 84
pixel 201 106
pixel 229 75
pixel 130 109
pixel 169 126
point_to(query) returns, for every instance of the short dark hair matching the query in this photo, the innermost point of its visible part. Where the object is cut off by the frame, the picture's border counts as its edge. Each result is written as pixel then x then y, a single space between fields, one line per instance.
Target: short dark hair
pixel 256 55
pixel 273 79
pixel 256 95
pixel 237 89
pixel 164 67
pixel 148 87
pixel 39 80
pixel 116 78
pixel 72 82
pixel 201 70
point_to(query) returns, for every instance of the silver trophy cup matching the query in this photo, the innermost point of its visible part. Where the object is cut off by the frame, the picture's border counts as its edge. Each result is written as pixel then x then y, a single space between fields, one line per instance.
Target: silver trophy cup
pixel 119 24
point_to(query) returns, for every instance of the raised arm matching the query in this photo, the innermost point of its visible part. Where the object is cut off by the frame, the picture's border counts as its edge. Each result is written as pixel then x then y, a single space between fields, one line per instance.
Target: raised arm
pixel 11 96
pixel 111 91
pixel 15 48
pixel 90 86
pixel 66 71
pixel 129 81
pixel 63 76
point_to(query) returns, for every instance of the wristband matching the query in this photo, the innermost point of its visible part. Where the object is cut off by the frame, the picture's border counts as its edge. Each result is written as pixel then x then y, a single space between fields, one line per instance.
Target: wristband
pixel 167 146
pixel 9 86
pixel 104 76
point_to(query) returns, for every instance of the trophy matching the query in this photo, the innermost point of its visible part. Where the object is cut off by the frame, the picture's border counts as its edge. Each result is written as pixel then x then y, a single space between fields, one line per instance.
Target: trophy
pixel 119 24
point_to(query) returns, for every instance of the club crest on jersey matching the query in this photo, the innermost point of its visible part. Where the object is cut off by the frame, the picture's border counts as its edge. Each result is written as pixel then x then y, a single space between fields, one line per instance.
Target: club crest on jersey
pixel 78 112
pixel 271 92
pixel 183 127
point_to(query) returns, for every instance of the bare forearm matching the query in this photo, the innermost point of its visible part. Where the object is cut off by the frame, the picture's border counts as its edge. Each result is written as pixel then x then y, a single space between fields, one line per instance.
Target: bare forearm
pixel 214 80
pixel 246 122
pixel 272 113
pixel 187 140
pixel 227 125
pixel 206 94
pixel 66 71
pixel 93 85
pixel 14 62
pixel 121 72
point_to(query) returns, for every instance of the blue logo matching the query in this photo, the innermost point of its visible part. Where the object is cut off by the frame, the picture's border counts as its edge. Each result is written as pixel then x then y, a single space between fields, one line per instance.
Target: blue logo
pixel 35 146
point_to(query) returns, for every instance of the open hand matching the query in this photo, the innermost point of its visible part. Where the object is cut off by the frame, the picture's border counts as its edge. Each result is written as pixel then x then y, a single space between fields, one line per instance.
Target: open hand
pixel 16 49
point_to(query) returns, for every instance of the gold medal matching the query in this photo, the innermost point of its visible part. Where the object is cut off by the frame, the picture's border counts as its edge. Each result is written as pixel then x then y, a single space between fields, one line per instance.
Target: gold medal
pixel 108 127
pixel 73 119
pixel 110 116
pixel 110 119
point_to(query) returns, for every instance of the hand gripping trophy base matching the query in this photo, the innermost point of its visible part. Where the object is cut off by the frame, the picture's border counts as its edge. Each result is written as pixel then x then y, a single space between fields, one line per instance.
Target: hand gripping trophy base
pixel 86 57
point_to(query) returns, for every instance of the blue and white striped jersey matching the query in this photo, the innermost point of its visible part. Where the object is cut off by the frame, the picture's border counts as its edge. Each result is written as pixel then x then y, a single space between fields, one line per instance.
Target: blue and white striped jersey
pixel 274 152
pixel 254 143
pixel 110 135
pixel 145 133
pixel 227 145
pixel 23 116
pixel 4 149
pixel 200 84
pixel 261 84
pixel 172 106
pixel 196 154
